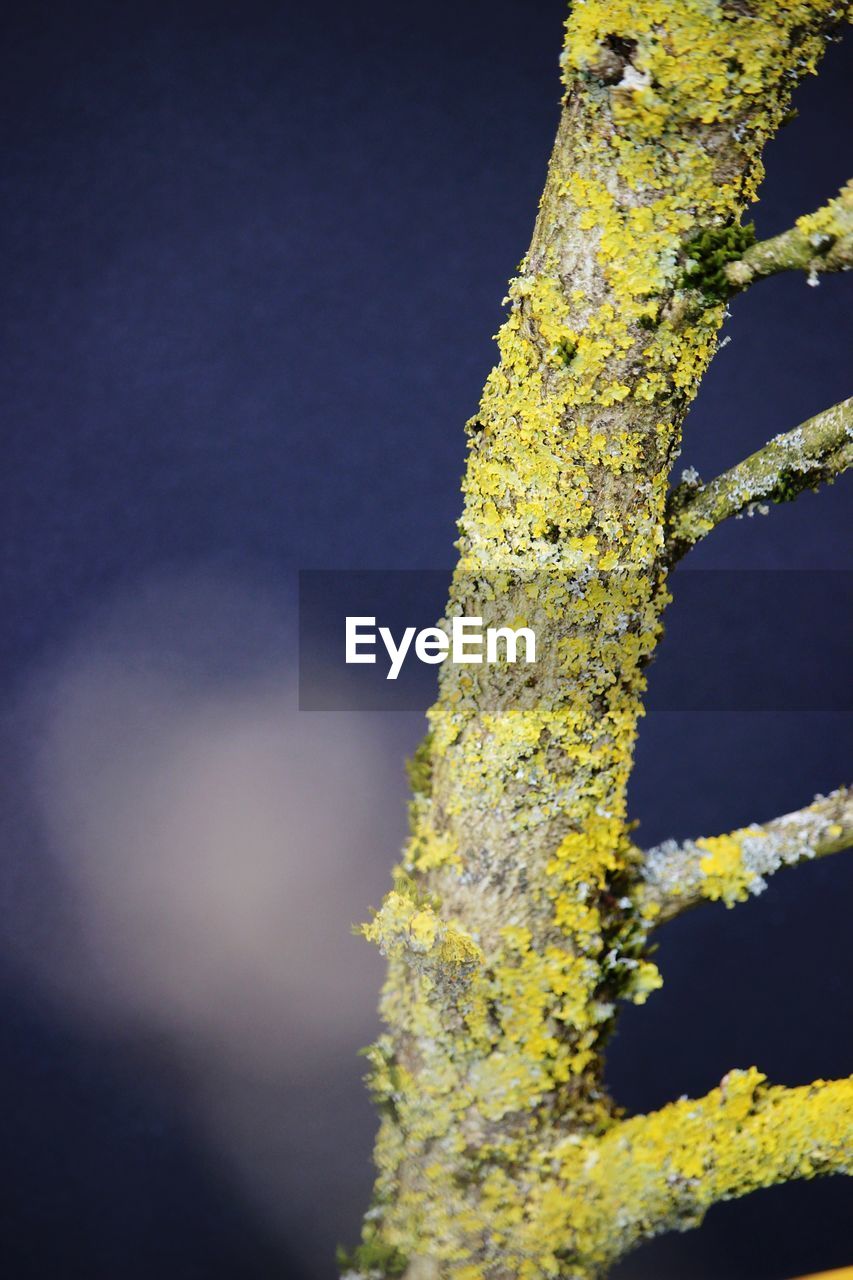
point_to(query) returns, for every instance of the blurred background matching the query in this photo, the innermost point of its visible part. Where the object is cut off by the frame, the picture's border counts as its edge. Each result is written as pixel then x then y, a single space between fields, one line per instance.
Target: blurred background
pixel 252 257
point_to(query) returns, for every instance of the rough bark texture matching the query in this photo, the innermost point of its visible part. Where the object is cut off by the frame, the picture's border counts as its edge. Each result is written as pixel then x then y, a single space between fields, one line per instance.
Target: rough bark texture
pixel 520 916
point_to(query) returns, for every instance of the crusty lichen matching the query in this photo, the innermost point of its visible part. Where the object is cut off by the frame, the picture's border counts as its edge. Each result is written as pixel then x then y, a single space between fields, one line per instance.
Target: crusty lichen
pixel 816 452
pixel 730 867
pixel 524 918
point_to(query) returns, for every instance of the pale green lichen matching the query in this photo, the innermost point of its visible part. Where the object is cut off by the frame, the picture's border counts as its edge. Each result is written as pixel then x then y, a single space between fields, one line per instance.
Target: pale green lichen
pixel 815 452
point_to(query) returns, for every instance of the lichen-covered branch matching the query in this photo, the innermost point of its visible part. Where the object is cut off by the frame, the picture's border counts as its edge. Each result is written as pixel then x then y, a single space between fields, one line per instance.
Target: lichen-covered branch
pixel 661 1172
pixel 720 261
pixel 515 926
pixel 813 453
pixel 730 867
pixel 818 242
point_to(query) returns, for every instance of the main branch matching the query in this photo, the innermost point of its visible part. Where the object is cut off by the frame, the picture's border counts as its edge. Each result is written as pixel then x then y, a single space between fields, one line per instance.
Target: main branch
pixel 512 930
pixel 730 867
pixel 817 451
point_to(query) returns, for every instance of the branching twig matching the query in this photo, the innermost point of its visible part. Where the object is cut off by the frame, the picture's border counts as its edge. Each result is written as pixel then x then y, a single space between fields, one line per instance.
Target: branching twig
pixel 817 451
pixel 662 1171
pixel 817 243
pixel 730 867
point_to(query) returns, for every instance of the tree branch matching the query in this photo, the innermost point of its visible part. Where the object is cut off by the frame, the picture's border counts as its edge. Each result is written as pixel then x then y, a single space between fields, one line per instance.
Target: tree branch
pixel 730 867
pixel 818 242
pixel 817 451
pixel 662 1171
pixel 492 1114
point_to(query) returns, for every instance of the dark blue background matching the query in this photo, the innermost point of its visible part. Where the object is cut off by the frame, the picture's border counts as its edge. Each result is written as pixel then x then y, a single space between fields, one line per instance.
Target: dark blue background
pixel 253 256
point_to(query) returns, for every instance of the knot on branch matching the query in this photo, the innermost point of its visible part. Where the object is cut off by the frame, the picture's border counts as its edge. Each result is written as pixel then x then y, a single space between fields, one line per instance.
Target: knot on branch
pixel 613 56
pixel 408 926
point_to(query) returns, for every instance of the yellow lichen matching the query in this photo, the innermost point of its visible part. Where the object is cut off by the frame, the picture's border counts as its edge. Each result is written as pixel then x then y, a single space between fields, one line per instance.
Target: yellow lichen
pixel 405 924
pixel 725 875
pixel 499 1152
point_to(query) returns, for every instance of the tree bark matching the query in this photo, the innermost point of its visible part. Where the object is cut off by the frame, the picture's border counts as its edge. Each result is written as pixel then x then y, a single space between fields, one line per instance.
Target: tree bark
pixel 518 920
